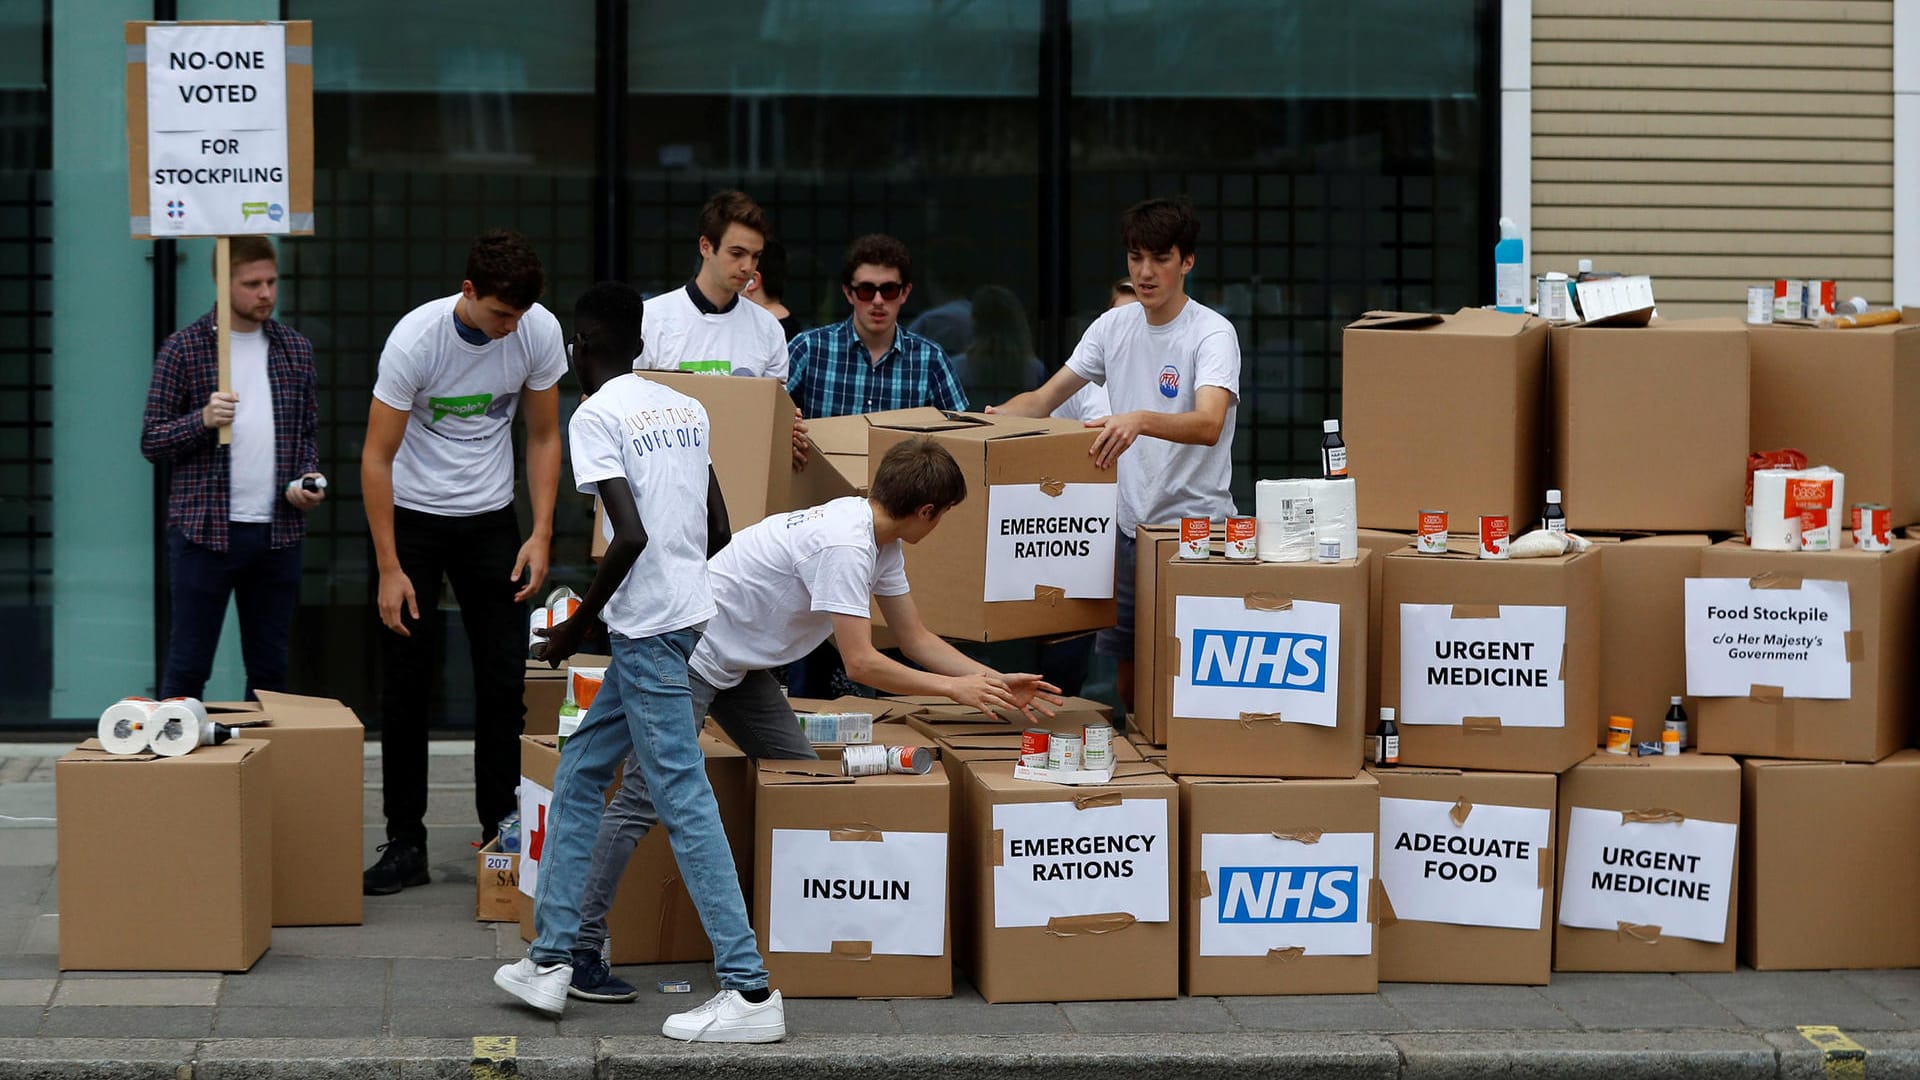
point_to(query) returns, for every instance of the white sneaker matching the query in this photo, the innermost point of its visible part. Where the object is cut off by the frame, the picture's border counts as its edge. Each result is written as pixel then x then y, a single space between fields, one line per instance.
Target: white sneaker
pixel 728 1017
pixel 543 986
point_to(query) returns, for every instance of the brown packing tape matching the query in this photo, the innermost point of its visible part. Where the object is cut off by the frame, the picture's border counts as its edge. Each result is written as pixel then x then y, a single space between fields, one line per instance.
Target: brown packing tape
pixel 1075 925
pixel 1563 664
pixel 1856 643
pixel 1545 878
pixel 1050 595
pixel 998 838
pixel 1266 601
pixel 1766 695
pixel 1197 885
pixel 1476 611
pixel 1302 836
pixel 1173 653
pixel 1645 935
pixel 1288 954
pixel 856 831
pixel 1769 579
pixel 1090 802
pixel 1481 725
pixel 1461 808
pixel 853 950
pixel 1383 914
pixel 1652 816
pixel 1052 487
pixel 1248 719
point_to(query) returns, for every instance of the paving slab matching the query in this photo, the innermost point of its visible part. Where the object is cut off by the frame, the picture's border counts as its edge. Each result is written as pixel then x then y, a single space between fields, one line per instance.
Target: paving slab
pixel 266 1021
pixel 129 1021
pixel 1630 1002
pixel 1316 1012
pixel 161 991
pixel 36 992
pixel 1436 1007
pixel 1898 991
pixel 19 1021
pixel 286 980
pixel 1783 1000
pixel 1132 1017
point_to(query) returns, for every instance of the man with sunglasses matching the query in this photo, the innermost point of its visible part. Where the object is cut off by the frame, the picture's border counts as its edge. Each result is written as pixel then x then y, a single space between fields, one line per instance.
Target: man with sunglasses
pixel 870 363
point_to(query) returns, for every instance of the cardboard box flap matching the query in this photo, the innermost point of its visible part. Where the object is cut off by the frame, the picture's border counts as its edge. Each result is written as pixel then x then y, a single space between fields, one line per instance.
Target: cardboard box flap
pixel 1395 320
pixel 926 418
pixel 227 753
pixel 982 741
pixel 312 712
pixel 803 772
pixel 839 435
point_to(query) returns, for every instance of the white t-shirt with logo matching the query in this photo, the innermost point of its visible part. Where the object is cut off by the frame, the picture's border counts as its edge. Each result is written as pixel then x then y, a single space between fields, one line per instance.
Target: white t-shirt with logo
pixel 746 336
pixel 780 582
pixel 457 457
pixel 657 440
pixel 250 491
pixel 1159 369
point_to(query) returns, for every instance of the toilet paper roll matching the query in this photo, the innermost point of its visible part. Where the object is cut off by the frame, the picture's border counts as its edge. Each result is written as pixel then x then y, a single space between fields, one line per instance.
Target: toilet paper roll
pixel 181 726
pixel 127 726
pixel 1773 528
pixel 1336 513
pixel 1285 512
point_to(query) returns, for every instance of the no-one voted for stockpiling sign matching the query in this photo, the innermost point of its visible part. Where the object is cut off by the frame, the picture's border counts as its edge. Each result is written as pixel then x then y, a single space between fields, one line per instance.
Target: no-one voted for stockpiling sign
pixel 220 128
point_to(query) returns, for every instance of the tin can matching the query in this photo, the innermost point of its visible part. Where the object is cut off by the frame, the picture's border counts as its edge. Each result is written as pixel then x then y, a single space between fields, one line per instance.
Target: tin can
pixel 1432 534
pixel 1670 743
pixel 1759 305
pixel 1242 538
pixel 873 760
pixel 1328 548
pixel 1096 747
pixel 1196 537
pixel 1063 752
pixel 1789 298
pixel 1620 735
pixel 560 606
pixel 1872 526
pixel 1494 530
pixel 1033 747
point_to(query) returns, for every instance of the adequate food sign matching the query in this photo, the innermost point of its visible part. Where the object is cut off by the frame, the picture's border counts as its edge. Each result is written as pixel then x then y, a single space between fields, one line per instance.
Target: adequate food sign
pixel 217 162
pixel 1740 637
pixel 1468 865
pixel 1507 667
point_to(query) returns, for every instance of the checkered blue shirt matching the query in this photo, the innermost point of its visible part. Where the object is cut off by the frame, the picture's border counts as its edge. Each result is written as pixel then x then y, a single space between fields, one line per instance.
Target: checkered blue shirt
pixel 830 373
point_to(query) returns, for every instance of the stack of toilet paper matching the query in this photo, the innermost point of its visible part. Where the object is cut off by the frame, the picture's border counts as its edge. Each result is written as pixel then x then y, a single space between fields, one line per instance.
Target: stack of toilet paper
pixel 1798 509
pixel 1295 516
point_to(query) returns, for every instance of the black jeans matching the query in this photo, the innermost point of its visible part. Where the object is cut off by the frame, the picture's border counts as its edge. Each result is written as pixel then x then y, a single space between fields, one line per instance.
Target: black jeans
pixel 476 555
pixel 265 585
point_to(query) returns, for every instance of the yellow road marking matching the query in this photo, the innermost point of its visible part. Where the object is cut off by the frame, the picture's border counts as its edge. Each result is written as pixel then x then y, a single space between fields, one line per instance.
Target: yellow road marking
pixel 495 1057
pixel 1840 1056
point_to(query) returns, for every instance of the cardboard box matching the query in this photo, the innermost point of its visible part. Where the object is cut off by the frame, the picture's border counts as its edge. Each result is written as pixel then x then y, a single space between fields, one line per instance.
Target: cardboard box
pixel 751 422
pixel 119 868
pixel 987 573
pixel 1064 934
pixel 496 884
pixel 546 690
pixel 653 920
pixel 1830 864
pixel 1382 543
pixel 1877 719
pixel 1444 412
pixel 851 880
pixel 1649 795
pixel 1643 641
pixel 1262 669
pixel 1681 462
pixel 836 461
pixel 1441 726
pixel 318 809
pixel 1421 806
pixel 940 719
pixel 1154 546
pixel 1279 885
pixel 1847 398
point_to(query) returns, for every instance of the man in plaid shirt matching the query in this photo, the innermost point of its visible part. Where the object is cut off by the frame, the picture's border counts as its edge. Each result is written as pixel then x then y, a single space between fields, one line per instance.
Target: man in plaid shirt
pixel 236 513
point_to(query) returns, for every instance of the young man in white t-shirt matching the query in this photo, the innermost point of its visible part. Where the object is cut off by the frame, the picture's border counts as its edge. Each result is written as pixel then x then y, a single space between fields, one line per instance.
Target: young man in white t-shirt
pixel 436 474
pixel 782 587
pixel 1171 367
pixel 642 448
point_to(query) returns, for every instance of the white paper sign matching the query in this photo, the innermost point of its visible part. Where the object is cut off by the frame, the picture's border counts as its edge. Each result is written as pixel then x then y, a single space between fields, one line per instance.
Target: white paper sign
pixel 1485 872
pixel 1065 541
pixel 1673 875
pixel 1739 637
pixel 1234 660
pixel 217 162
pixel 1057 861
pixel 1269 893
pixel 535 802
pixel 891 892
pixel 1507 667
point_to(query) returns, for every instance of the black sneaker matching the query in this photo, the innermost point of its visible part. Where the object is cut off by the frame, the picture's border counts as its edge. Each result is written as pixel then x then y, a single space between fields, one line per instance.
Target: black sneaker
pixel 402 865
pixel 592 981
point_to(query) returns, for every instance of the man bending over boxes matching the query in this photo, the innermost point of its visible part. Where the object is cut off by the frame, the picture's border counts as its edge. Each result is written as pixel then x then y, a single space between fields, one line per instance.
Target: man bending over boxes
pixel 781 587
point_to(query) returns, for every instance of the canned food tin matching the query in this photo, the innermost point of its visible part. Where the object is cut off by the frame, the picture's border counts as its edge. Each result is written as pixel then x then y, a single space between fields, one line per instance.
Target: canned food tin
pixel 1063 752
pixel 872 760
pixel 1196 541
pixel 1432 534
pixel 1494 531
pixel 1759 305
pixel 1096 746
pixel 1328 548
pixel 1242 538
pixel 1872 526
pixel 1033 747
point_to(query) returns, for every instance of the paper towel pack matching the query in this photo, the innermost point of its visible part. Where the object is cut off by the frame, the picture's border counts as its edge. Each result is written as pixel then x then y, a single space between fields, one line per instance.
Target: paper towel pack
pixel 1798 509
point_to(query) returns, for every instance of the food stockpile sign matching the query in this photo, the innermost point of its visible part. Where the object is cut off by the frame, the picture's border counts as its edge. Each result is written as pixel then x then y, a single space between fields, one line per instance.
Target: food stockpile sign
pixel 214 155
pixel 1266 892
pixel 1050 535
pixel 1239 659
pixel 1648 869
pixel 1471 865
pixel 1740 637
pixel 1455 665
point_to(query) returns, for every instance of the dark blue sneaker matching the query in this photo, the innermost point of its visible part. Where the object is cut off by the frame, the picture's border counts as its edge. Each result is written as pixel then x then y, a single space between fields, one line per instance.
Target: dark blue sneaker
pixel 593 981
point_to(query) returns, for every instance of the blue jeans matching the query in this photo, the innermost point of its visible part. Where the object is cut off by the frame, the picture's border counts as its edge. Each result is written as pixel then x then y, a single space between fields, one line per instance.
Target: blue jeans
pixel 265 584
pixel 644 706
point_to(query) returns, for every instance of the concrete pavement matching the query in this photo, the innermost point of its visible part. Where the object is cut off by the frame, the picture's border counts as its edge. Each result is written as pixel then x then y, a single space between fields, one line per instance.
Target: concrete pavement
pixel 409 994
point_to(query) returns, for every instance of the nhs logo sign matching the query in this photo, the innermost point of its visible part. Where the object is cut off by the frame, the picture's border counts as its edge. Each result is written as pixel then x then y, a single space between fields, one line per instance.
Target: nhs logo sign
pixel 1259 658
pixel 1289 894
pixel 1234 660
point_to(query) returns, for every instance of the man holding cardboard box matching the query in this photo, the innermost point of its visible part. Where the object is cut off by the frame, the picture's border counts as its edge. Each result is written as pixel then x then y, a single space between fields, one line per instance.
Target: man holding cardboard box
pixel 642 448
pixel 1171 366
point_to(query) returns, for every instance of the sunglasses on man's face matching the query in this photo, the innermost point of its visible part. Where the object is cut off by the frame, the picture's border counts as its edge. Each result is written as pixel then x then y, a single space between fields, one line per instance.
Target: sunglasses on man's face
pixel 867 290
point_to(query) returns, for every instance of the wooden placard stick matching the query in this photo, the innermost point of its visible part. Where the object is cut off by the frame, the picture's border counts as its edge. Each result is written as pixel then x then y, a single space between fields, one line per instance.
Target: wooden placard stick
pixel 223 321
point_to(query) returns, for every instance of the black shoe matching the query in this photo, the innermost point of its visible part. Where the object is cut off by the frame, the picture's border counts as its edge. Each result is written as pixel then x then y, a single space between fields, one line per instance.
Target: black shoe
pixel 592 981
pixel 402 865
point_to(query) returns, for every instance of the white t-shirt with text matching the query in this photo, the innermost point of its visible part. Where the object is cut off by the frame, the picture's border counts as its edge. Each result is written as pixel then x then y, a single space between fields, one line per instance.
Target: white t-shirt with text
pixel 457 457
pixel 656 439
pixel 746 336
pixel 780 582
pixel 251 491
pixel 1160 369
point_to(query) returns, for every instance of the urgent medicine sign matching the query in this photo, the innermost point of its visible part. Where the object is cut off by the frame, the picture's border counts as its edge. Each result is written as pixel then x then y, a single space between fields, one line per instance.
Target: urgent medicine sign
pixel 220 128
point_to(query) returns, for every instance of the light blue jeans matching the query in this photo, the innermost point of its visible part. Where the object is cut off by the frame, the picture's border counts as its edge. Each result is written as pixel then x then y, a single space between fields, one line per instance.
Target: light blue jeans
pixel 645 707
